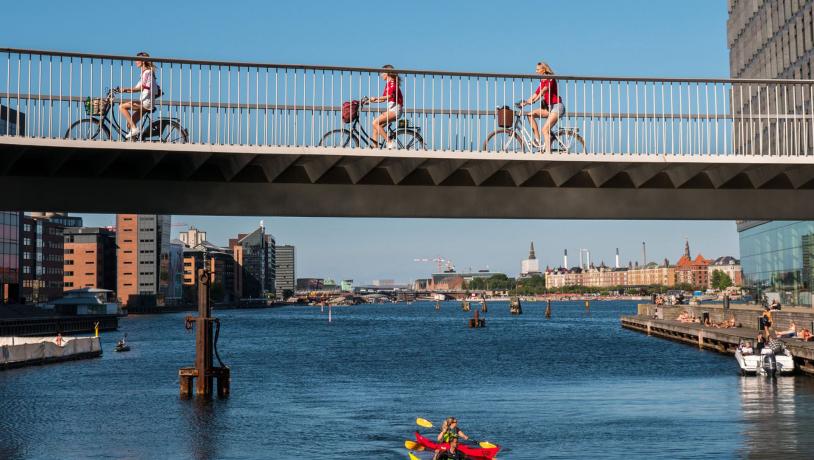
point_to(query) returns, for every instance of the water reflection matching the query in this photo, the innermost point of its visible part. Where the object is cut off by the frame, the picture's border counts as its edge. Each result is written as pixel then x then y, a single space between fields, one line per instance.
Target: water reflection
pixel 773 424
pixel 200 420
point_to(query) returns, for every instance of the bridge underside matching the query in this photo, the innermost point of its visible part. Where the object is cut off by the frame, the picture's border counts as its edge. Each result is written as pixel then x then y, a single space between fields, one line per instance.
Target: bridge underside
pixel 106 177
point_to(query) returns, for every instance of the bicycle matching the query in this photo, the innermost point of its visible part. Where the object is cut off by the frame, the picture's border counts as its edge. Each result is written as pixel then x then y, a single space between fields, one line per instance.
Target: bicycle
pixel 99 121
pixel 516 138
pixel 406 137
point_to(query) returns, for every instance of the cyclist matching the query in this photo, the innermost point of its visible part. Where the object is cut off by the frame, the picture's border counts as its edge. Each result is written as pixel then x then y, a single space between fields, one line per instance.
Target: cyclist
pixel 148 87
pixel 552 108
pixel 395 101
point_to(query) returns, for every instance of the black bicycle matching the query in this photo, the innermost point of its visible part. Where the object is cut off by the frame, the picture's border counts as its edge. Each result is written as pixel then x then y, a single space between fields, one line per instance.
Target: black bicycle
pixel 99 121
pixel 512 135
pixel 403 137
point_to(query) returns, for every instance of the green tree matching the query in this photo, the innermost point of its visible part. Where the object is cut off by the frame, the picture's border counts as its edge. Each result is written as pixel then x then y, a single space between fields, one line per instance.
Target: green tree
pixel 720 280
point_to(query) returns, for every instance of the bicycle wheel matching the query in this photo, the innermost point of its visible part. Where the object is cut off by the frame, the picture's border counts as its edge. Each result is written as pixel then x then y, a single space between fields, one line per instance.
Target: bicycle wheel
pixel 568 141
pixel 504 140
pixel 339 138
pixel 88 129
pixel 174 133
pixel 408 140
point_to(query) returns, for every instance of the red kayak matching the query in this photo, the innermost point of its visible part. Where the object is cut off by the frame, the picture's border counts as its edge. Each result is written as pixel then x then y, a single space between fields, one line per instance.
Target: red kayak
pixel 471 452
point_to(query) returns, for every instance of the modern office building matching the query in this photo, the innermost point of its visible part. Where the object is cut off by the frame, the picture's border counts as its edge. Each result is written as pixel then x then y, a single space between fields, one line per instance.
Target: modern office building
pixel 771 38
pixel 286 274
pixel 774 39
pixel 10 229
pixel 192 237
pixel 61 218
pixel 42 261
pixel 254 254
pixel 222 268
pixel 143 258
pixel 777 259
pixel 90 258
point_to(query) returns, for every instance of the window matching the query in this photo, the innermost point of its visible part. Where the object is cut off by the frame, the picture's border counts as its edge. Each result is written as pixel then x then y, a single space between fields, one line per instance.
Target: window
pixel 69 262
pixel 68 273
pixel 68 284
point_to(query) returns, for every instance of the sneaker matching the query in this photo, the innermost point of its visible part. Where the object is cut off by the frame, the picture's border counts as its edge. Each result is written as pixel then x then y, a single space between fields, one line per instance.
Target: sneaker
pixel 391 145
pixel 132 134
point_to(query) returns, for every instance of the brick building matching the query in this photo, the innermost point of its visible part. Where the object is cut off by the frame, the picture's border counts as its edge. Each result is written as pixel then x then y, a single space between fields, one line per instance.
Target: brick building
pixel 90 258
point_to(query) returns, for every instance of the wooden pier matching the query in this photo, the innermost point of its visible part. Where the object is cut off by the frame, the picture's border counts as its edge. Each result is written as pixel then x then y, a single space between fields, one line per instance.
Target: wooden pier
pixel 709 338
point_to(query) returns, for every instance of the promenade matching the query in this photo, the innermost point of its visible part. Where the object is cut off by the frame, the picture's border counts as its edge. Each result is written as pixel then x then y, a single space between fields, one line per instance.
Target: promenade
pixel 662 324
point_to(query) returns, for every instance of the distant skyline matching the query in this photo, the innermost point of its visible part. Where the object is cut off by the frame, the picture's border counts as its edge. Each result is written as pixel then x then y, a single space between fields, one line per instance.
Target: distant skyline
pixel 588 37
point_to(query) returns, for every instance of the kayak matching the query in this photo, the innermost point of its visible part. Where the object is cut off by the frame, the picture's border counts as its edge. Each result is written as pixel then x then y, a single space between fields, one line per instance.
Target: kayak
pixel 471 452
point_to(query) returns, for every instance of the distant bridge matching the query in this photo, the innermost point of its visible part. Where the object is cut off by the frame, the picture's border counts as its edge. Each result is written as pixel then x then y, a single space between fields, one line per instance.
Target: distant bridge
pixel 249 139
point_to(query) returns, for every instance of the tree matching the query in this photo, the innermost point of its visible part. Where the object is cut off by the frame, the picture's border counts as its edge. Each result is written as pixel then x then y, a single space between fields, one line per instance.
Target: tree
pixel 720 280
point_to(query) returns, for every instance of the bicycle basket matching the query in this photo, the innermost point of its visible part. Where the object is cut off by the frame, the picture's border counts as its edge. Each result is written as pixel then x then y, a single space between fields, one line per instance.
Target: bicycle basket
pixel 504 116
pixel 95 106
pixel 350 111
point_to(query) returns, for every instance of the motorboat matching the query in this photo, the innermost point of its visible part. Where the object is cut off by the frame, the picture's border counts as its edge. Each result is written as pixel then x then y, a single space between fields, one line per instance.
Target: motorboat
pixel 769 362
pixel 122 345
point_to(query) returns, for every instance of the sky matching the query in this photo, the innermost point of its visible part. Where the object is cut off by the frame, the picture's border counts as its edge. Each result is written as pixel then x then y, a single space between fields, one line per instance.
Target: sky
pixel 577 37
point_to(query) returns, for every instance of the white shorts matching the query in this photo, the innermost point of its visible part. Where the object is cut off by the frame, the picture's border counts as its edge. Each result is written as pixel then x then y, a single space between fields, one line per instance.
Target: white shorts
pixel 394 108
pixel 147 104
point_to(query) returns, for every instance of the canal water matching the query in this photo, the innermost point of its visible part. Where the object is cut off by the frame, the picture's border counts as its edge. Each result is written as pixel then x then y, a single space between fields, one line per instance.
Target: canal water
pixel 574 386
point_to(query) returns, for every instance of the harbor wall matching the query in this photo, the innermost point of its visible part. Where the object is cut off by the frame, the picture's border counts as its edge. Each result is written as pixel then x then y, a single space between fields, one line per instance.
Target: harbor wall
pixel 27 351
pixel 745 315
pixel 51 325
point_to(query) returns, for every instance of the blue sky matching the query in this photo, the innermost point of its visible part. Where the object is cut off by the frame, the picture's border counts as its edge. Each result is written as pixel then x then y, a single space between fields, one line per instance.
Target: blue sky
pixel 577 37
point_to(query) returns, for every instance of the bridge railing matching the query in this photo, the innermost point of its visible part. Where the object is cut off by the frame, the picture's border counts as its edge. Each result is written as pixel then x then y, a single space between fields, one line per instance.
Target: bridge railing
pixel 43 93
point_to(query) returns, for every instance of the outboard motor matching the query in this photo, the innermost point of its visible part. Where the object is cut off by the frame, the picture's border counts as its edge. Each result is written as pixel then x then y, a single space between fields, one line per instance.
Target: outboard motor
pixel 769 363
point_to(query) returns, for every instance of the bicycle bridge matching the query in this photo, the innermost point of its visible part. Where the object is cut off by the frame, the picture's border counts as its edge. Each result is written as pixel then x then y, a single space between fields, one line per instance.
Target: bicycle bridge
pixel 254 143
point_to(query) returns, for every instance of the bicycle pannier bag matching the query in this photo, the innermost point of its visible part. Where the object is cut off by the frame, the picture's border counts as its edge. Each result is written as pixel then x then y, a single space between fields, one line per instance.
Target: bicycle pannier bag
pixel 505 117
pixel 350 111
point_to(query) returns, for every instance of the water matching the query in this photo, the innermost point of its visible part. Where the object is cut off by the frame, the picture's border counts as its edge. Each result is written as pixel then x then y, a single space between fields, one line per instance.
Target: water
pixel 575 386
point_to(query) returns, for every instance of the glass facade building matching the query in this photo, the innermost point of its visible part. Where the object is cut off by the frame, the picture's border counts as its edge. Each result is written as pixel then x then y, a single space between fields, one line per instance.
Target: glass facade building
pixel 10 257
pixel 777 259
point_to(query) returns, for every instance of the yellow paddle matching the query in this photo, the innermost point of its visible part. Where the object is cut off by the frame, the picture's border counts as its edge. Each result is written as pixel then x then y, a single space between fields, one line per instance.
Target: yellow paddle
pixel 412 445
pixel 428 424
pixel 423 422
pixel 413 457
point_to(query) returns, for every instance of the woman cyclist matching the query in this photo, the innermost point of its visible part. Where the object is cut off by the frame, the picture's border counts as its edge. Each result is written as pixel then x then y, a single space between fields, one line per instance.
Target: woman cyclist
pixel 552 108
pixel 148 87
pixel 395 101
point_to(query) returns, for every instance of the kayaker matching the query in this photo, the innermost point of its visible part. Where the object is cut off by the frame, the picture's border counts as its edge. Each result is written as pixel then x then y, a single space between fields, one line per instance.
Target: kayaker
pixel 452 453
pixel 450 431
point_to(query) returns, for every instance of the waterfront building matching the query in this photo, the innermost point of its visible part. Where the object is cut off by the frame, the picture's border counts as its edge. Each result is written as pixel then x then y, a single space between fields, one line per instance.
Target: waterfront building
pixel 254 254
pixel 694 272
pixel 770 38
pixel 346 286
pixel 192 237
pixel 42 260
pixel 467 277
pixel 310 284
pixel 222 268
pixel 729 266
pixel 61 218
pixel 652 274
pixel 142 258
pixel 90 258
pixel 285 281
pixel 10 255
pixel 777 259
pixel 175 272
pixel 531 266
pixel 270 286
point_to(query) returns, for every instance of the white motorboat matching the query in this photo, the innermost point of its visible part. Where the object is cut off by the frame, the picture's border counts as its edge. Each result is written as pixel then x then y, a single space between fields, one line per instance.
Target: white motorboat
pixel 767 362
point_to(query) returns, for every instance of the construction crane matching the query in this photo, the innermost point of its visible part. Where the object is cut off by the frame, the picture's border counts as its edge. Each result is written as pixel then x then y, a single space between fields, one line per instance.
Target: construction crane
pixel 440 261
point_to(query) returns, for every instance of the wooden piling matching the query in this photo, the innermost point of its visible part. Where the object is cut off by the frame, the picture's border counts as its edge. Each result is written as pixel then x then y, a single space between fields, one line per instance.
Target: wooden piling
pixel 548 310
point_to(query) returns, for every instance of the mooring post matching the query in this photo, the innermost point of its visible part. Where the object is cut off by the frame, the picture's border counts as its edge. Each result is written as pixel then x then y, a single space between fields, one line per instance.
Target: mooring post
pixel 203 337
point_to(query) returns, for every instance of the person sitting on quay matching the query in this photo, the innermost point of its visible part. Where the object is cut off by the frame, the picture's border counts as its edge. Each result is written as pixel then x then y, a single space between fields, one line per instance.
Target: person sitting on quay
pixel 775 306
pixel 58 340
pixel 790 332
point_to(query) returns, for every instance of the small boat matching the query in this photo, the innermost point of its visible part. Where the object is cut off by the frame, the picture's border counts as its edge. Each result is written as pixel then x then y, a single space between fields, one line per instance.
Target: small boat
pixel 768 362
pixel 122 345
